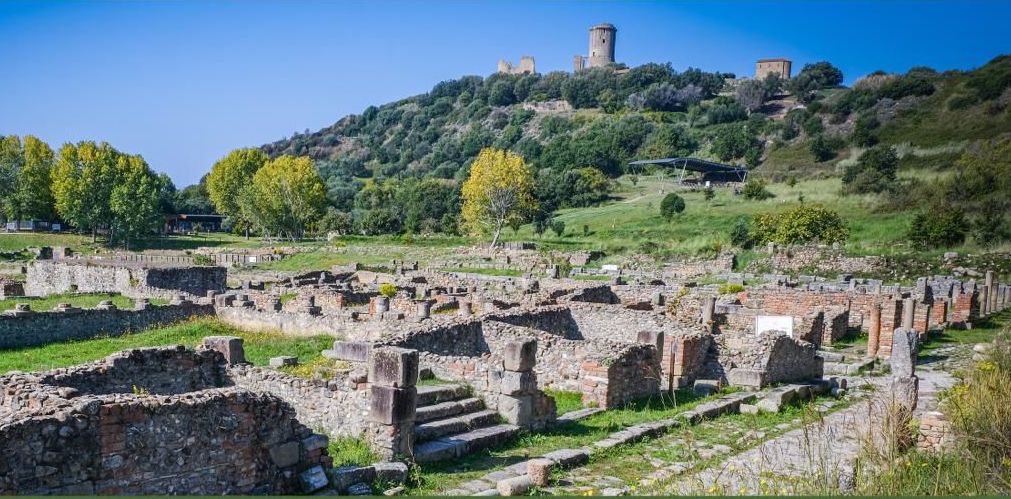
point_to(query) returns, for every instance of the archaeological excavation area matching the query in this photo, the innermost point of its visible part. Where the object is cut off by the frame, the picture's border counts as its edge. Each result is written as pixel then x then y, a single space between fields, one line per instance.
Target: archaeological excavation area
pixel 523 378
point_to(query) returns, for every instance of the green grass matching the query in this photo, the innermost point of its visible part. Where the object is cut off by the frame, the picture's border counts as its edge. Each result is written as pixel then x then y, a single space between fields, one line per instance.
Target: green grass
pixel 83 300
pixel 492 272
pixel 566 401
pixel 443 475
pixel 981 332
pixel 351 451
pixel 259 346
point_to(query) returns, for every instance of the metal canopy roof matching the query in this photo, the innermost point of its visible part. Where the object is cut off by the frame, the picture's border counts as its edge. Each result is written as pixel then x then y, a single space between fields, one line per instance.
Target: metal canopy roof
pixel 697 165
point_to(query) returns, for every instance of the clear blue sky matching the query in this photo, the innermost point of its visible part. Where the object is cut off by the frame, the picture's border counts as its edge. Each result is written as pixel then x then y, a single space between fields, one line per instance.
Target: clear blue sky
pixel 182 83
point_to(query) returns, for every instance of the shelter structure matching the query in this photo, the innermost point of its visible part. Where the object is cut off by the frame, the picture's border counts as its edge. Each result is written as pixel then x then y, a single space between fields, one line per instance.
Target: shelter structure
pixel 711 171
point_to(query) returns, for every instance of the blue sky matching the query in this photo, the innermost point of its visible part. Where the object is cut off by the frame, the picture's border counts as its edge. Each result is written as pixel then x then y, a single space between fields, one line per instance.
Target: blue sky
pixel 184 82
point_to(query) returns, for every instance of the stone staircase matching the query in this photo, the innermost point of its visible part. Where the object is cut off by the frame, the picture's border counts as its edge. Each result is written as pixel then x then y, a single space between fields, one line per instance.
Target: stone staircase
pixel 450 423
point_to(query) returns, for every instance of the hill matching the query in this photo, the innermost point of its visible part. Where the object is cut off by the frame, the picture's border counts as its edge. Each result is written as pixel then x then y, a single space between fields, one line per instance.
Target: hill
pixel 397 167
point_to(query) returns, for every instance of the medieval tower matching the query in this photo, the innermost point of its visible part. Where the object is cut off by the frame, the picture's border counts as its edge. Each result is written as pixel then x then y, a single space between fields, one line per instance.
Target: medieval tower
pixel 602 38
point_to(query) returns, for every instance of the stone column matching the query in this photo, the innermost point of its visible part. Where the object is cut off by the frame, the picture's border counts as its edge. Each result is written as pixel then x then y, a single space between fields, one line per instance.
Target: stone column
pixel 382 304
pixel 708 309
pixel 904 383
pixel 393 397
pixel 986 307
pixel 908 309
pixel 520 402
pixel 229 346
pixel 874 330
pixel 423 308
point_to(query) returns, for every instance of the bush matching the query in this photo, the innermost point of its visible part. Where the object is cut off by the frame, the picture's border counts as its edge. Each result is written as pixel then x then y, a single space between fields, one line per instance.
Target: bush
pixel 671 206
pixel 558 227
pixel 802 224
pixel 755 190
pixel 709 193
pixel 388 290
pixel 740 234
pixel 729 289
pixel 939 227
pixel 873 172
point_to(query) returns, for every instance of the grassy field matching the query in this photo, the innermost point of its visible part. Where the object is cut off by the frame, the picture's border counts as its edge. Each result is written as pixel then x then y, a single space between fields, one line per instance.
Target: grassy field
pixel 259 347
pixel 83 300
pixel 704 227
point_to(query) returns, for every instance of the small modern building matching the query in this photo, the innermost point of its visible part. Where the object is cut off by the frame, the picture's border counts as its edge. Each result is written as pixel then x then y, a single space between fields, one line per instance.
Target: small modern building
pixel 182 223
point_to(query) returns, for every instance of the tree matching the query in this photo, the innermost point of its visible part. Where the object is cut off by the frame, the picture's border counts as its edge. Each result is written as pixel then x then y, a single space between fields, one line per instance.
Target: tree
pixel 26 178
pixel 941 226
pixel 873 172
pixel 820 149
pixel 285 198
pixel 754 189
pixel 668 141
pixel 709 193
pixel 801 224
pixel 83 180
pixel 135 200
pixel 230 176
pixel 671 206
pixel 558 227
pixel 752 94
pixel 500 187
pixel 814 77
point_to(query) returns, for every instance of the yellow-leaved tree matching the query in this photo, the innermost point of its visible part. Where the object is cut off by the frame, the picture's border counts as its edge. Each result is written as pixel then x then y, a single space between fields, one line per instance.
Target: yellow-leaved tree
pixel 499 190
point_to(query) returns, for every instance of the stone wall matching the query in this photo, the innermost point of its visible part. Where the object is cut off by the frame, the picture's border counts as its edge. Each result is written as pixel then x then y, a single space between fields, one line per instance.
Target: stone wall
pixel 47 277
pixel 82 431
pixel 22 329
pixel 339 406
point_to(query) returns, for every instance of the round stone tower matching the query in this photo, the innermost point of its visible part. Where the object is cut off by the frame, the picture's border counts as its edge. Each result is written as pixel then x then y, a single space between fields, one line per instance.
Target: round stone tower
pixel 602 45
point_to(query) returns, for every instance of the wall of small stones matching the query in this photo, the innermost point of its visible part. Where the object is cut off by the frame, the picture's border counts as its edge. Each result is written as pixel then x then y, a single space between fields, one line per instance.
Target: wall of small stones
pixel 340 405
pixel 88 435
pixel 47 277
pixel 39 328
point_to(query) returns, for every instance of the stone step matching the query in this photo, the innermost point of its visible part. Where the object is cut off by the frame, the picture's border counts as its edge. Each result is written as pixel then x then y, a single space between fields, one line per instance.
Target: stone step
pixel 463 443
pixel 440 427
pixel 433 394
pixel 447 409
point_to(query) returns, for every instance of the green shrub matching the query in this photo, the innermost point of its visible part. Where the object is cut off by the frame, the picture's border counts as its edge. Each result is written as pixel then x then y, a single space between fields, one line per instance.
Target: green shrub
pixel 388 290
pixel 740 234
pixel 199 259
pixel 729 289
pixel 671 206
pixel 801 224
pixel 938 227
pixel 873 172
pixel 558 227
pixel 754 189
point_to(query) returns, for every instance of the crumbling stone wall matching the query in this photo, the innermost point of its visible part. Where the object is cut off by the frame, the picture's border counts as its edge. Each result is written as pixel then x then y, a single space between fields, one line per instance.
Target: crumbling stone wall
pixel 47 277
pixel 39 328
pixel 339 405
pixel 770 357
pixel 74 431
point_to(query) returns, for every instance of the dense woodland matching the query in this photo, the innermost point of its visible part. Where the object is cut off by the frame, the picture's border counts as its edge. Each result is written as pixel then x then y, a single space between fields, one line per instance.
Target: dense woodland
pixel 399 167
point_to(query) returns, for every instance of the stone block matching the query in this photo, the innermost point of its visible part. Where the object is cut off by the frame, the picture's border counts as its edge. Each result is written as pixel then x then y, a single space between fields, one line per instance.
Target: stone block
pixel 229 346
pixel 313 479
pixel 751 378
pixel 285 454
pixel 539 471
pixel 391 472
pixel 520 355
pixel 706 386
pixel 652 338
pixel 518 382
pixel 569 457
pixel 315 441
pixel 283 361
pixel 352 351
pixel 904 349
pixel 393 367
pixel 516 486
pixel 905 391
pixel 388 405
pixel 343 477
pixel 517 410
pixel 748 409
